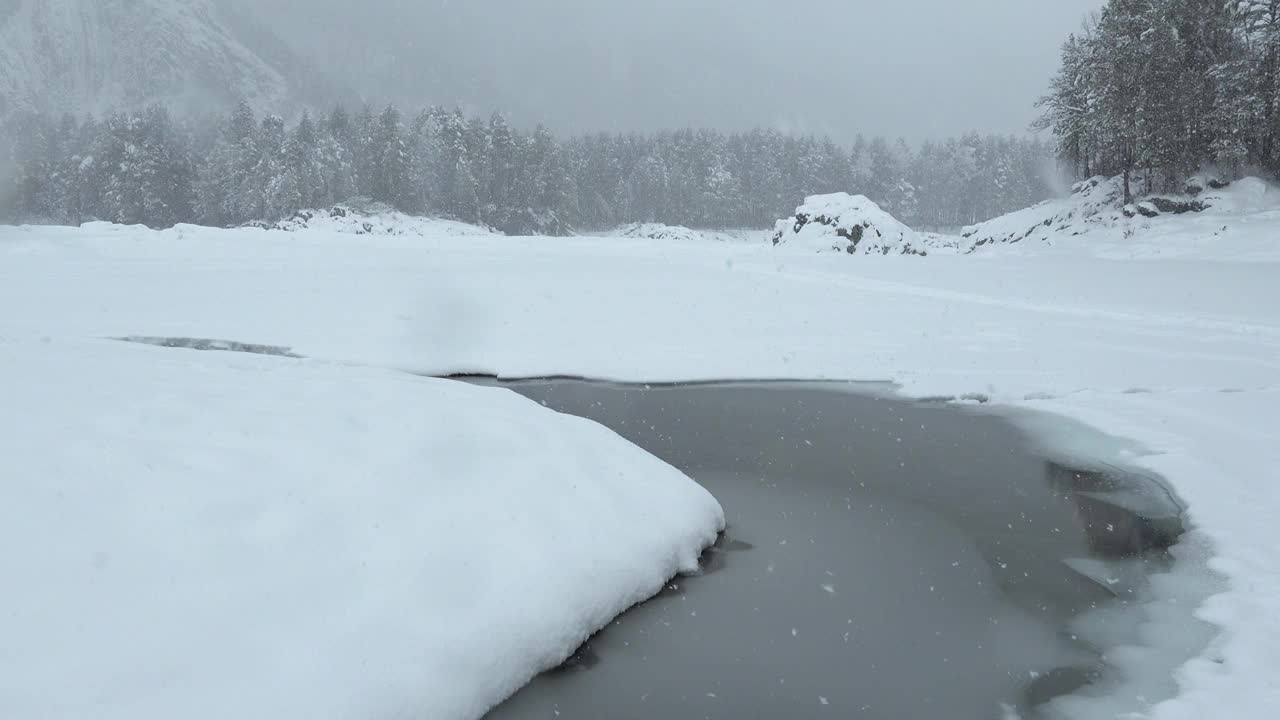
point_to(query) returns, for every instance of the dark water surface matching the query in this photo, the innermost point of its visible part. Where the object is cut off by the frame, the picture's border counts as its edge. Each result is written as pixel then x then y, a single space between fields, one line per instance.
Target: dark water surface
pixel 883 559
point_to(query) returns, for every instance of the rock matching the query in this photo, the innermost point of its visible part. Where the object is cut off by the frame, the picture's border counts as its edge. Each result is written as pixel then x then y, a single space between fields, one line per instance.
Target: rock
pixel 1174 206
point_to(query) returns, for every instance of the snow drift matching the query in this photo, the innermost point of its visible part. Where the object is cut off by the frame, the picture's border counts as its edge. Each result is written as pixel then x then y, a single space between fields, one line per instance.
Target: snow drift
pixel 846 223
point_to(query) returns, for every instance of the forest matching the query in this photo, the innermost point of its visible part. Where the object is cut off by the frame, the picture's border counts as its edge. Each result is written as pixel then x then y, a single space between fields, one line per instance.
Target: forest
pixel 155 168
pixel 1156 90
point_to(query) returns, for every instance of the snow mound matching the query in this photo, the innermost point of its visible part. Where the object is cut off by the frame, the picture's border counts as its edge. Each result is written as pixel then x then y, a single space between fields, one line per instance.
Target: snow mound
pixel 659 231
pixel 371 219
pixel 1211 218
pixel 207 536
pixel 846 223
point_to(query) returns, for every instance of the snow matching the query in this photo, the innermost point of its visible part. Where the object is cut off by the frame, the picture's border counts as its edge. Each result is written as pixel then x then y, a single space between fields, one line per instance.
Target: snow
pixel 218 535
pixel 1237 225
pixel 1151 342
pixel 846 223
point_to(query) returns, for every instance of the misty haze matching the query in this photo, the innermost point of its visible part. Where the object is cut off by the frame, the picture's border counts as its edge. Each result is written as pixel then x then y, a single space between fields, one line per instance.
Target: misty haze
pixel 606 359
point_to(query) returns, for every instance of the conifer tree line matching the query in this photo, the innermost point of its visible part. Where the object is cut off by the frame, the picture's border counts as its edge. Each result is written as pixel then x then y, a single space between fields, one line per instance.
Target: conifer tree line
pixel 147 167
pixel 1157 90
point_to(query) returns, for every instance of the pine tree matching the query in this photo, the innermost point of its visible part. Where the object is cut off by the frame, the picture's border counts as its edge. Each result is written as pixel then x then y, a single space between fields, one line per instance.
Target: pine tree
pixel 390 162
pixel 145 167
pixel 164 170
pixel 364 151
pixel 269 194
pixel 1070 106
pixel 1166 87
pixel 501 162
pixel 1259 33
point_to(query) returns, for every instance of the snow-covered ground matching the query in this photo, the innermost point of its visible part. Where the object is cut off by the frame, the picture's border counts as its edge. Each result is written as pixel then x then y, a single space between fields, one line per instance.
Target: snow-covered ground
pixel 1179 355
pixel 215 535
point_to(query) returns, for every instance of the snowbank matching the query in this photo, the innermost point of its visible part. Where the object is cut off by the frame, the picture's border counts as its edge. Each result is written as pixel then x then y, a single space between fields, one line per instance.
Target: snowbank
pixel 216 535
pixel 849 224
pixel 371 219
pixel 1213 220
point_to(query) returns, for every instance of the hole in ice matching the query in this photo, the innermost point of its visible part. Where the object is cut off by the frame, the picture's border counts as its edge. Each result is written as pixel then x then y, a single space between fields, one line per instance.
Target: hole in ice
pixel 920 559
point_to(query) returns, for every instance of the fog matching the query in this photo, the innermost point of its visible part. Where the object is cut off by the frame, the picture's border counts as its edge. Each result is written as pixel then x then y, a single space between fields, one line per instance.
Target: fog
pixel 917 69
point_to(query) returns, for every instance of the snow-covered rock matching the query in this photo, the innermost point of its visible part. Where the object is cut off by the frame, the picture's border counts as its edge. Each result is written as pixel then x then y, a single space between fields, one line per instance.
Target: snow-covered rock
pixel 363 218
pixel 851 224
pixel 679 233
pixel 659 231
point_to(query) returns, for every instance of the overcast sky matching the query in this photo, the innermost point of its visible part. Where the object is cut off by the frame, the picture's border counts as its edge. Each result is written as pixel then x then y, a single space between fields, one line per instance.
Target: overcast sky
pixel 912 68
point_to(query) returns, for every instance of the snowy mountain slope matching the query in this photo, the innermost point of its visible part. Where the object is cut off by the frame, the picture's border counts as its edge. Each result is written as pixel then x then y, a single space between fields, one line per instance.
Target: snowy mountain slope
pixel 1240 221
pixel 93 54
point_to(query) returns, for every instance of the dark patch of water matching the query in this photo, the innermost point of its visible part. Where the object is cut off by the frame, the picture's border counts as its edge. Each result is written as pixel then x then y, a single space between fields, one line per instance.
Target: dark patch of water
pixel 205 344
pixel 884 559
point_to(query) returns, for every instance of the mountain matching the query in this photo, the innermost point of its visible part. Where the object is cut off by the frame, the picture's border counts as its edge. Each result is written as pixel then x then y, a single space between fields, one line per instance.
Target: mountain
pixel 90 55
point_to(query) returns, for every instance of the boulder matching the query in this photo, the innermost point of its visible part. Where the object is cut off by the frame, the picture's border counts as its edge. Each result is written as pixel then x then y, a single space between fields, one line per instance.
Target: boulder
pixel 1174 206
